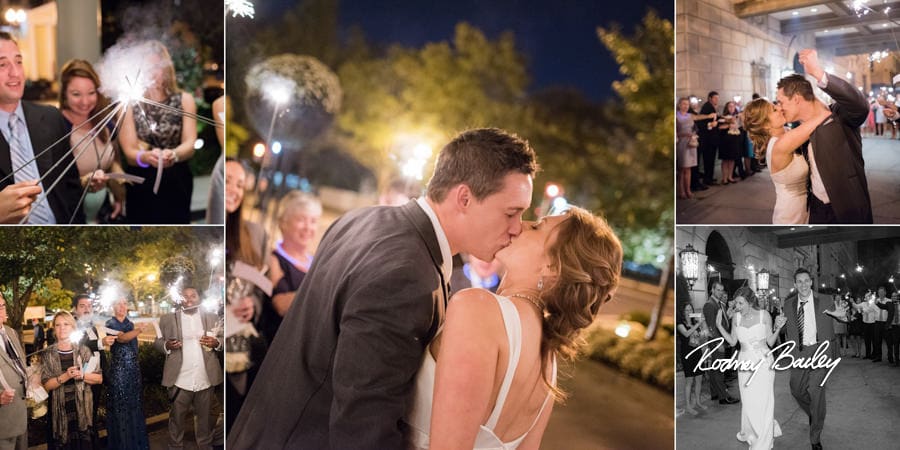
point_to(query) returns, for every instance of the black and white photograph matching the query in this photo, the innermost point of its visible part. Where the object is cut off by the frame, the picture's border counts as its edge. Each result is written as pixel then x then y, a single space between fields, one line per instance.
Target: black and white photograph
pixel 788 337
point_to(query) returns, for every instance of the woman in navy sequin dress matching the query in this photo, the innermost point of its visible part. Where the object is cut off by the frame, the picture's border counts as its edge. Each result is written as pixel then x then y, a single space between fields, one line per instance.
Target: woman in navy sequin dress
pixel 124 408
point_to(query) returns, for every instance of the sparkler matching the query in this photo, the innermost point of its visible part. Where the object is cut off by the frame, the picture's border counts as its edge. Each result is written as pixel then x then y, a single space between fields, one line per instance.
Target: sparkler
pixel 242 8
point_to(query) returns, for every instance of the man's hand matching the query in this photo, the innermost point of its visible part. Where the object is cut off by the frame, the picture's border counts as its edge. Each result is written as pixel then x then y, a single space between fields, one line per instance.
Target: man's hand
pixel 7 396
pixel 16 200
pixel 809 59
pixel 209 341
pixel 173 344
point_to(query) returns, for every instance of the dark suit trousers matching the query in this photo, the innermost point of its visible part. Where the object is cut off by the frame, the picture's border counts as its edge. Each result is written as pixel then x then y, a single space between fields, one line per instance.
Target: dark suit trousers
pixel 201 401
pixel 708 149
pixel 820 212
pixel 717 386
pixel 809 395
pixel 877 337
pixel 894 343
pixel 869 337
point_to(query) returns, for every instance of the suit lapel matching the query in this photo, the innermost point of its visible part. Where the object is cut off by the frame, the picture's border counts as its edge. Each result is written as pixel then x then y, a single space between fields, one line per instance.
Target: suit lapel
pixel 426 232
pixel 34 119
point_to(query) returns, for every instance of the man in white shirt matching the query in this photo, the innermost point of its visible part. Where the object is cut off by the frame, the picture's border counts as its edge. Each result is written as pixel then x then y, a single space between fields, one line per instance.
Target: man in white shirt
pixel 809 327
pixel 192 370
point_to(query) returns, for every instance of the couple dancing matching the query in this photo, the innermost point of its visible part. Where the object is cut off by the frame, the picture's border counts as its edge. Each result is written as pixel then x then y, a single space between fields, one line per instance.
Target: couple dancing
pixel 372 356
pixel 825 182
pixel 808 325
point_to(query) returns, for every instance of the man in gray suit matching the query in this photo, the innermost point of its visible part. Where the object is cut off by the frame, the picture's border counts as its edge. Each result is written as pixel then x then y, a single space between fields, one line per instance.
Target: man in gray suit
pixel 806 313
pixel 192 370
pixel 13 412
pixel 340 372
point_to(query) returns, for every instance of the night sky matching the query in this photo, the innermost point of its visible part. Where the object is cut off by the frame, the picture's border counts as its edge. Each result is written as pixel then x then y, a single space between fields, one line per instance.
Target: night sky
pixel 559 37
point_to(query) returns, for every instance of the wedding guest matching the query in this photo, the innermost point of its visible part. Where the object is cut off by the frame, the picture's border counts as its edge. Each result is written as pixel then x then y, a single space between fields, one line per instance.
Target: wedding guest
pixel 83 311
pixel 473 272
pixel 686 150
pixel 95 153
pixel 730 141
pixel 855 327
pixel 881 321
pixel 885 321
pixel 692 333
pixel 192 371
pixel 840 324
pixel 13 410
pixel 245 241
pixel 718 300
pixel 215 212
pixel 124 408
pixel 160 137
pixel 28 129
pixel 870 315
pixel 39 337
pixel 71 402
pixel 298 220
pixel 709 137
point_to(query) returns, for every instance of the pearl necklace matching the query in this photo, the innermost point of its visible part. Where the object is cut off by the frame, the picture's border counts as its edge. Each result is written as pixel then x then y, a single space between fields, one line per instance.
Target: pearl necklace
pixel 531 299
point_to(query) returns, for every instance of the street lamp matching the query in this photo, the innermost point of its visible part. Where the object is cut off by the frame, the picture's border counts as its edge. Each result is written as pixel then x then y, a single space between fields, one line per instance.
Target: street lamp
pixel 690 264
pixel 762 280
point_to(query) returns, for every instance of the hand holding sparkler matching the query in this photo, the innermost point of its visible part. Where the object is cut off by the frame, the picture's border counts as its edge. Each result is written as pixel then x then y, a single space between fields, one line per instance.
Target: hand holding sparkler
pixel 173 344
pixel 96 180
pixel 7 396
pixel 209 341
pixel 16 200
pixel 74 372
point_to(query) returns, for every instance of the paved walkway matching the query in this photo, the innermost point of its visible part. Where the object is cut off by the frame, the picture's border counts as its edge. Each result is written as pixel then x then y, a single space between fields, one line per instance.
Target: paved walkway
pixel 751 201
pixel 609 410
pixel 863 403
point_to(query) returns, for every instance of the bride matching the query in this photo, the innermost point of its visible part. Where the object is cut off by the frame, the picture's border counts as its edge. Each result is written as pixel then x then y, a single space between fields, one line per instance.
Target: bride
pixel 753 329
pixel 487 380
pixel 764 123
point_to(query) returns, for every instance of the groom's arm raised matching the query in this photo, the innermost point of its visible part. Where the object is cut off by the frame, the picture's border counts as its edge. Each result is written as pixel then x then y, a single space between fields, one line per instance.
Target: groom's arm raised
pixel 384 328
pixel 849 104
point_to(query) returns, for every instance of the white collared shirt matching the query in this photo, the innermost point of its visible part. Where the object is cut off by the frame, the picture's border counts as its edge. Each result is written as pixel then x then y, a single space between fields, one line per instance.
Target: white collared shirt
pixel 193 376
pixel 882 313
pixel 447 265
pixel 818 188
pixel 809 320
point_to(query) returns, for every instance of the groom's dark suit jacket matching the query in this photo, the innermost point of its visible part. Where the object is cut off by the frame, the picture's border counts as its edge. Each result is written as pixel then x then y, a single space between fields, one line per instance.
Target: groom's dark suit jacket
pixel 824 326
pixel 340 372
pixel 837 146
pixel 46 126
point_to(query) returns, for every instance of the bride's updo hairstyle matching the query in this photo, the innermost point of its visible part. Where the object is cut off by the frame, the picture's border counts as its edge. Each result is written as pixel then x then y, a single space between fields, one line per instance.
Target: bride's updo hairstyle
pixel 588 258
pixel 756 122
pixel 748 295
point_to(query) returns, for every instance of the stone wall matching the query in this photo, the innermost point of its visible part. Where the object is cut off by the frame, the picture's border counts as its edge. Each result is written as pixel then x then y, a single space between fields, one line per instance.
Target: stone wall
pixel 716 51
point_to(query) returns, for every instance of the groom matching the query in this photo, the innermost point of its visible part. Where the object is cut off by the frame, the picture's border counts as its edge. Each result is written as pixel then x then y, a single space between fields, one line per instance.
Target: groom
pixel 808 326
pixel 341 370
pixel 838 191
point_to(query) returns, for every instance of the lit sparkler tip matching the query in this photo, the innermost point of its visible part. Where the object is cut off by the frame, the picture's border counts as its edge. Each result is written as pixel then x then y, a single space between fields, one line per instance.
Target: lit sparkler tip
pixel 76 336
pixel 210 305
pixel 242 8
pixel 278 89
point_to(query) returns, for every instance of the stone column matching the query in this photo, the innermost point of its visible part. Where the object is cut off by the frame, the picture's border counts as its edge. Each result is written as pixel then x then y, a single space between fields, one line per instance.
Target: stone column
pixel 78 31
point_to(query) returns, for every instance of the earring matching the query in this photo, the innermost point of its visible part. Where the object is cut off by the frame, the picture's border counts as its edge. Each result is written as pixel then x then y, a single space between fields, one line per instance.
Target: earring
pixel 541 283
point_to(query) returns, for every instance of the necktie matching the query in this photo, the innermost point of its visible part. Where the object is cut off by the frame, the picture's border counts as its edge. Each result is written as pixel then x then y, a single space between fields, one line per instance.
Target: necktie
pixel 11 352
pixel 801 316
pixel 22 159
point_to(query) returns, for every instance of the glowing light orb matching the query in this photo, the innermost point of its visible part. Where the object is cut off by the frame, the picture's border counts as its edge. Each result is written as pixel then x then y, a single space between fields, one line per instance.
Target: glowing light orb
pixel 259 150
pixel 623 329
pixel 198 144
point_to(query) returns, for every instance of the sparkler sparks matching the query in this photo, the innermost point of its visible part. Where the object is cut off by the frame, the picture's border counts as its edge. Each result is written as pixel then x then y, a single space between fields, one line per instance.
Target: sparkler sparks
pixel 242 8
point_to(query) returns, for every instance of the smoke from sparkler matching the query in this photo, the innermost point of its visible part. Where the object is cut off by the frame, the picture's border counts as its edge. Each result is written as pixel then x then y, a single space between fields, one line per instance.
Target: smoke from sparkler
pixel 127 70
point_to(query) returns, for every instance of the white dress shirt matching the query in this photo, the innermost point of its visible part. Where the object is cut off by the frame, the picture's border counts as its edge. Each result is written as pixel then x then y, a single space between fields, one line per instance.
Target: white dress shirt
pixel 193 375
pixel 809 320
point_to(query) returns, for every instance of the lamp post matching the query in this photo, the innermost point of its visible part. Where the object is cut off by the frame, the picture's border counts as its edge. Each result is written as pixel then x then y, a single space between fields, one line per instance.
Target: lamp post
pixel 690 264
pixel 762 287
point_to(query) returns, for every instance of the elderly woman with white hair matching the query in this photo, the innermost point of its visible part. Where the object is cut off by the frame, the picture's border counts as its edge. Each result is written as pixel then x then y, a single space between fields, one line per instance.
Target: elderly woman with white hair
pixel 298 220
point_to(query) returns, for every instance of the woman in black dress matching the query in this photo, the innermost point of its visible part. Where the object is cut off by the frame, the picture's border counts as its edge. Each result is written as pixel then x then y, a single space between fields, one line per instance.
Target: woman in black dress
pixel 692 332
pixel 63 375
pixel 152 136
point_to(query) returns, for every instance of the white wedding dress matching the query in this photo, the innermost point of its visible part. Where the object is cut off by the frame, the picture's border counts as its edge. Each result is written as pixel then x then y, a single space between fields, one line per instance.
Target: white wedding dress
pixel 758 425
pixel 790 189
pixel 419 416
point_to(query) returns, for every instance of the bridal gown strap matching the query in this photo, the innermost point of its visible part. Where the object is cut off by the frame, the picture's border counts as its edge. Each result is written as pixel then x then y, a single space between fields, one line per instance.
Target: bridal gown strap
pixel 419 416
pixel 790 189
pixel 758 425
